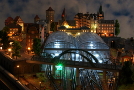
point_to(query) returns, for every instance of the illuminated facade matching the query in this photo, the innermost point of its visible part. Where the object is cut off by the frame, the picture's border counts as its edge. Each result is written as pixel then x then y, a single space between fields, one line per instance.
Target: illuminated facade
pixel 14 32
pixel 32 32
pixel 96 23
pixel 58 41
pixel 50 15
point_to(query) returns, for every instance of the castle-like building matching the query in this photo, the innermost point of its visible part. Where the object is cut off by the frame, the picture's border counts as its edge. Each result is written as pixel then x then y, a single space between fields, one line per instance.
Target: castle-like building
pixel 41 28
pixel 87 23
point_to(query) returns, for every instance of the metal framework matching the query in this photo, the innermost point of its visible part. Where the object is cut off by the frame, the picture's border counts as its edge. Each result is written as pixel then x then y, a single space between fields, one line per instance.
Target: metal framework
pixel 87 49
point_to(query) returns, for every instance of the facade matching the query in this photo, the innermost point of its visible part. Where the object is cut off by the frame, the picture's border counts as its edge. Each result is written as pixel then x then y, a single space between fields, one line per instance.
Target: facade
pixel 50 15
pixel 32 32
pixel 96 23
pixel 14 32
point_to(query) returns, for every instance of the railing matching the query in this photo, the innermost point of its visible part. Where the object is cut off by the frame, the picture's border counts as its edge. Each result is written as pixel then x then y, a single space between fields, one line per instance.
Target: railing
pixel 79 63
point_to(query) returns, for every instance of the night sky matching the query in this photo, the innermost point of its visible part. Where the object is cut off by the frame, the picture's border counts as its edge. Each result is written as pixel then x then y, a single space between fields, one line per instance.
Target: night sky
pixel 123 10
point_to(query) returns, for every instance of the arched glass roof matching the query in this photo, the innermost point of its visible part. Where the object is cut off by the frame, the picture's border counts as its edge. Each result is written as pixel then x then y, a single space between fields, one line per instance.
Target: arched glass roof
pixel 60 37
pixel 88 40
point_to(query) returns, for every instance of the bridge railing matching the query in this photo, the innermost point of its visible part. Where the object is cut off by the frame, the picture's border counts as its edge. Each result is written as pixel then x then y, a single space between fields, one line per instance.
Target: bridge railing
pixel 79 63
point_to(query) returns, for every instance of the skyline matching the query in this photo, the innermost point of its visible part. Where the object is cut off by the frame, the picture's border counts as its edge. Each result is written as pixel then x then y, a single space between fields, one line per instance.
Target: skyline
pixel 122 10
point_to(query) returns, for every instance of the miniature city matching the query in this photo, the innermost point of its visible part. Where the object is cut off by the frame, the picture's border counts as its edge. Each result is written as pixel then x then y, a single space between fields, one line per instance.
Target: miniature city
pixel 80 54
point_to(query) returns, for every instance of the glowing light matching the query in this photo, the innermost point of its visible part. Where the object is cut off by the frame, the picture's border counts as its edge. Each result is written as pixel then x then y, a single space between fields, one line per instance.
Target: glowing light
pixel 78 33
pixel 0 48
pixel 100 61
pixel 18 66
pixel 9 49
pixel 96 55
pixel 57 45
pixel 28 48
pixel 59 67
pixel 67 26
pixel 56 54
pixel 95 26
pixel 91 45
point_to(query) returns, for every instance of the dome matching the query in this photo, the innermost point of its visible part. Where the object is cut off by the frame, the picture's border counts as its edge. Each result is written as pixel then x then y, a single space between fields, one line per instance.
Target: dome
pixel 90 41
pixel 61 38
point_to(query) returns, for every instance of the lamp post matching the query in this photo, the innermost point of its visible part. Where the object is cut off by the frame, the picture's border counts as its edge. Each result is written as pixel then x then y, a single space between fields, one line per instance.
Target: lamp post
pixel 9 51
pixel 40 85
pixel 28 49
pixel 18 71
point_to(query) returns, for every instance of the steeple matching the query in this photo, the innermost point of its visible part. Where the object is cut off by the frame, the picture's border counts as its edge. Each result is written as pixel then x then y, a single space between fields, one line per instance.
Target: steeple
pixel 100 9
pixel 100 13
pixel 63 16
pixel 36 18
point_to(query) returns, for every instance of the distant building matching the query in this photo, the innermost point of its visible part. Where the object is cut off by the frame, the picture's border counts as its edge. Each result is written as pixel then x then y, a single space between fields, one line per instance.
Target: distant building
pixel 50 15
pixel 96 23
pixel 32 32
pixel 14 32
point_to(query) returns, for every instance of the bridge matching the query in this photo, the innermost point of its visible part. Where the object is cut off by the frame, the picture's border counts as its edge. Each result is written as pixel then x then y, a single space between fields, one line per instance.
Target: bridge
pixel 83 68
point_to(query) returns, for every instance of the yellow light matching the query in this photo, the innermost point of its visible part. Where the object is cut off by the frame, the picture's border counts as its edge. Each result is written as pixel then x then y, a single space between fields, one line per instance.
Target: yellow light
pixel 78 33
pixel 29 48
pixel 9 49
pixel 18 66
pixel 66 26
pixel 95 26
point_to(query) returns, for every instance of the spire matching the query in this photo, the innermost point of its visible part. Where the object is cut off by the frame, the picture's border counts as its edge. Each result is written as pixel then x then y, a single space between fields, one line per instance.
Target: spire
pixel 100 9
pixel 63 15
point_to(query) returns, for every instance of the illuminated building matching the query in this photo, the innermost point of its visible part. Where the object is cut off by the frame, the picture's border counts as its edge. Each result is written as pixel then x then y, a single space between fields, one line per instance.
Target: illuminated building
pixel 59 41
pixel 32 32
pixel 14 32
pixel 50 15
pixel 96 23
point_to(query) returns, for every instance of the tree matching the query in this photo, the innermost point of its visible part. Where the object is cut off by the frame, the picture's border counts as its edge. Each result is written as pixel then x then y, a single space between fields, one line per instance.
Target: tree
pixel 37 46
pixel 117 26
pixel 126 74
pixel 16 49
pixel 6 29
pixel 52 26
pixel 4 39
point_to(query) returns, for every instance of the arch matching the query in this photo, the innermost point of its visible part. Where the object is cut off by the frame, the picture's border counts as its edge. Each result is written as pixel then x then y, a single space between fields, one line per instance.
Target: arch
pixel 87 56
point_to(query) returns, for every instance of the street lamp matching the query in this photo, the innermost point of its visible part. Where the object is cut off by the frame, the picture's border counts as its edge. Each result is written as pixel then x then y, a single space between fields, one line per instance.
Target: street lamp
pixel 40 85
pixel 28 49
pixel 9 51
pixel 18 71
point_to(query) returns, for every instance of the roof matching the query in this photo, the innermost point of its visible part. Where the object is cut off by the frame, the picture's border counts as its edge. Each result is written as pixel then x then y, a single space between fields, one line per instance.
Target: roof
pixel 36 17
pixel 84 27
pixel 33 25
pixel 13 25
pixel 16 18
pixel 70 22
pixel 62 27
pixel 49 9
pixel 107 21
pixel 9 19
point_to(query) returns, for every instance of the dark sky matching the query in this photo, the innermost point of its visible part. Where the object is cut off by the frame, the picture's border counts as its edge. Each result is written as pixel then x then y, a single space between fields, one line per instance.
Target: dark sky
pixel 123 10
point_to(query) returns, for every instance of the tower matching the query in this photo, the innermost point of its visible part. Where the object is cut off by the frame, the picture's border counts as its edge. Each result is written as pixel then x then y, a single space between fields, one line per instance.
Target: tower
pixel 50 15
pixel 100 13
pixel 36 18
pixel 63 16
